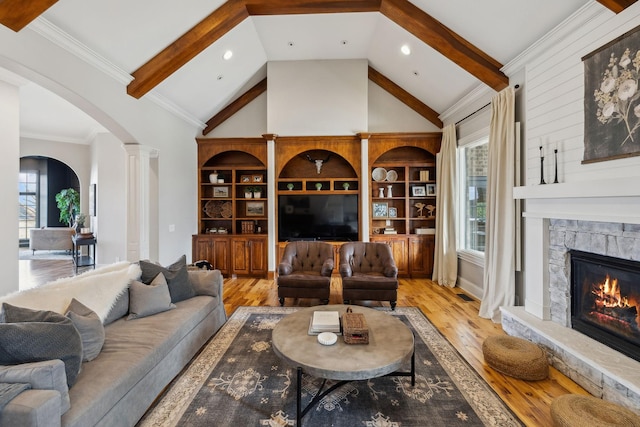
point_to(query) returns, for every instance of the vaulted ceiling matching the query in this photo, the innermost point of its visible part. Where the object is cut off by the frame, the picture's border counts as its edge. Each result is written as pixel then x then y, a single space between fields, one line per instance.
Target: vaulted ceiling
pixel 172 52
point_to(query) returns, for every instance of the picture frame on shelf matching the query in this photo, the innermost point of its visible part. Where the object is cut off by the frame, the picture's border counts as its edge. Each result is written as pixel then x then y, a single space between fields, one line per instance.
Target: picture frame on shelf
pixel 393 212
pixel 245 179
pixel 257 178
pixel 220 191
pixel 431 190
pixel 380 209
pixel 418 191
pixel 254 209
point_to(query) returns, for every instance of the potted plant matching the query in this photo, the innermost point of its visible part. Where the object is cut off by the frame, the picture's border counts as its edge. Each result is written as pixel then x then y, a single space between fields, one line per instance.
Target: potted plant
pixel 257 192
pixel 248 192
pixel 68 201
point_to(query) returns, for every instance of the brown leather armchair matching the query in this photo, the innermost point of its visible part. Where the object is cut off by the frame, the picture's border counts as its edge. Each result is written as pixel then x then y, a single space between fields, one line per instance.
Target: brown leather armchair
pixel 305 271
pixel 368 272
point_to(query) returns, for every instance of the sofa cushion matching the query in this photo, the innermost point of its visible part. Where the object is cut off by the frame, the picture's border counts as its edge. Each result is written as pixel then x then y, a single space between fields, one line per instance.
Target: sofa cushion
pixel 33 336
pixel 145 300
pixel 90 328
pixel 176 274
pixel 45 375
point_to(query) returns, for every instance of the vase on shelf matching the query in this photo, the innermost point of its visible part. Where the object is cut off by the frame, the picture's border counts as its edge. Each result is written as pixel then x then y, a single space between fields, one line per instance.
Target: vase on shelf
pixel 381 192
pixel 389 191
pixel 290 186
pixel 318 186
pixel 213 177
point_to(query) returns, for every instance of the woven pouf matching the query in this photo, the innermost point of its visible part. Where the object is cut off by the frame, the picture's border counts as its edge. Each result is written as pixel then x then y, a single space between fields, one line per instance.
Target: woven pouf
pixel 516 357
pixel 572 410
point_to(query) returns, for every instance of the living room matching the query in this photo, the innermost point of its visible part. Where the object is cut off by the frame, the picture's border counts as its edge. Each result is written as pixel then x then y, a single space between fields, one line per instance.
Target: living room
pixel 160 225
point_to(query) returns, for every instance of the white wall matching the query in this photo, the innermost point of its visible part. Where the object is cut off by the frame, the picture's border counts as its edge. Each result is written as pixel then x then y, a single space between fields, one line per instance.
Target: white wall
pixel 9 170
pixel 388 114
pixel 317 97
pixel 130 120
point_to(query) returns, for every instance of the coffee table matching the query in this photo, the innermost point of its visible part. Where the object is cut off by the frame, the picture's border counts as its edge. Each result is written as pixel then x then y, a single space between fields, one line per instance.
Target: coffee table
pixel 391 345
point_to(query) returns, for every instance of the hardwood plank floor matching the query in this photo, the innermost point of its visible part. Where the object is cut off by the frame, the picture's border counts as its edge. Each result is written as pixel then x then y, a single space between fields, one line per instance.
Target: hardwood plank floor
pixel 456 318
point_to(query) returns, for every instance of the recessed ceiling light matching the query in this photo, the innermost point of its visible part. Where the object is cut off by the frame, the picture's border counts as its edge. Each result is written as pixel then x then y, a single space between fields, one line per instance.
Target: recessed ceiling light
pixel 220 77
pixel 227 55
pixel 290 44
pixel 415 73
pixel 405 49
pixel 344 42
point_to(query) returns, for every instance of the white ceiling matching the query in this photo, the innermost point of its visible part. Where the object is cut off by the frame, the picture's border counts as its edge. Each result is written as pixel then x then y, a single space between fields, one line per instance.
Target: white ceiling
pixel 129 33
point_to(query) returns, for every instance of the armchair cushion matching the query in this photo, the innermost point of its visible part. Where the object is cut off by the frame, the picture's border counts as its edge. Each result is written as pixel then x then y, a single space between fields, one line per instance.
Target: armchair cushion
pixel 367 258
pixel 305 271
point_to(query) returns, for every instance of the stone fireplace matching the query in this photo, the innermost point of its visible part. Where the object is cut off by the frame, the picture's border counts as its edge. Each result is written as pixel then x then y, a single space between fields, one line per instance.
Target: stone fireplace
pixel 601 370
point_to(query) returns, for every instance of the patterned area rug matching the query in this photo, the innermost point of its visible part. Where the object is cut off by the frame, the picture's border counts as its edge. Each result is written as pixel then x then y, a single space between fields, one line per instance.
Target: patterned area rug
pixel 237 380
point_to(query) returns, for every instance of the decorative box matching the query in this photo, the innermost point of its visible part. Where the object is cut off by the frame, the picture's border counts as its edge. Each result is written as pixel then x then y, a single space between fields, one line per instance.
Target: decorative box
pixel 354 328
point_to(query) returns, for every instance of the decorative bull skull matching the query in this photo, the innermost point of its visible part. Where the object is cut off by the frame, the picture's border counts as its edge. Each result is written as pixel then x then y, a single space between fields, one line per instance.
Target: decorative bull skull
pixel 318 162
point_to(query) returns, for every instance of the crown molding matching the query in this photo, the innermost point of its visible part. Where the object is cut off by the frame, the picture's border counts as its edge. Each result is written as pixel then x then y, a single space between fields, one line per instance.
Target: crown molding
pixel 174 109
pixel 55 35
pixel 85 140
pixel 565 29
pixel 472 101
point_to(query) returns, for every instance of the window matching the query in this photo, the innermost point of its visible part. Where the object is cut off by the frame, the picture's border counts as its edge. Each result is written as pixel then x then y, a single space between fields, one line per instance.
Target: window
pixel 28 203
pixel 472 169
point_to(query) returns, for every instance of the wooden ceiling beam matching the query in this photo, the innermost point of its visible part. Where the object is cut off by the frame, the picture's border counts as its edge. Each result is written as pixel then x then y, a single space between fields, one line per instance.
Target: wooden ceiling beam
pixel 235 106
pixel 16 14
pixel 445 41
pixel 231 13
pixel 301 7
pixel 194 41
pixel 617 6
pixel 411 101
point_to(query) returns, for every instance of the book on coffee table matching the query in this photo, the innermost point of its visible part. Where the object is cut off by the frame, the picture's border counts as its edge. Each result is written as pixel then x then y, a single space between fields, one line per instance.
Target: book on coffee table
pixel 324 321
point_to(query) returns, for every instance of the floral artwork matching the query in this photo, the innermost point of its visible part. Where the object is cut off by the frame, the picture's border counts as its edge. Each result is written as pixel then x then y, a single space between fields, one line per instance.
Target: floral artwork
pixel 612 100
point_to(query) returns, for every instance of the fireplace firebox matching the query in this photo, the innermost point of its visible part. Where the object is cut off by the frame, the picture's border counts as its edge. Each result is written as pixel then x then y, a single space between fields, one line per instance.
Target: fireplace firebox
pixel 605 300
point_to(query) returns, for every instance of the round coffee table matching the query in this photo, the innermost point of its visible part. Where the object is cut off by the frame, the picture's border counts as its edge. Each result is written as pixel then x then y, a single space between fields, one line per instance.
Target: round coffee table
pixel 391 345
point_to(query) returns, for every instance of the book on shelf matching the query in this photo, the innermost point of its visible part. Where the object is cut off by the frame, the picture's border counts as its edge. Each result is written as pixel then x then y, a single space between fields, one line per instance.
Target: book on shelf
pixel 324 321
pixel 389 230
pixel 424 175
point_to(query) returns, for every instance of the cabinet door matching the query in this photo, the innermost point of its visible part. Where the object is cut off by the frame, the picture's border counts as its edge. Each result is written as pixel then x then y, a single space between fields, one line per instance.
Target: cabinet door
pixel 421 255
pixel 201 249
pixel 399 250
pixel 249 256
pixel 220 254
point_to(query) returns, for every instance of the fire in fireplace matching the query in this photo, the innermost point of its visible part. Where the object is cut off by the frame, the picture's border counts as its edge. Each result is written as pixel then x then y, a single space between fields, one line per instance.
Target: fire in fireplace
pixel 605 300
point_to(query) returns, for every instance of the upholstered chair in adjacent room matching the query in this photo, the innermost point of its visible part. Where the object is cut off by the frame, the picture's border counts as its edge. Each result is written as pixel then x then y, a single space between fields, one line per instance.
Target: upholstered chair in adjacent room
pixel 305 271
pixel 368 272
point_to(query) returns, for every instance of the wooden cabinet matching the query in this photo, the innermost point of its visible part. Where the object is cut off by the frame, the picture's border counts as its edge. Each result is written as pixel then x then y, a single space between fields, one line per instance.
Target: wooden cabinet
pixel 421 255
pixel 249 256
pixel 232 201
pixel 403 196
pixel 214 249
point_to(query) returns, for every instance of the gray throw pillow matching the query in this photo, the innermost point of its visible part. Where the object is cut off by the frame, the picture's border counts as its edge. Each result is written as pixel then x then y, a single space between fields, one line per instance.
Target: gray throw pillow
pixel 34 336
pixel 90 328
pixel 206 282
pixel 180 288
pixel 145 300
pixel 120 308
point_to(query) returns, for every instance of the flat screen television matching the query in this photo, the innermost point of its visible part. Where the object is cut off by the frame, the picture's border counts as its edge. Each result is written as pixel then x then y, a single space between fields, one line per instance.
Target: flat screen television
pixel 318 217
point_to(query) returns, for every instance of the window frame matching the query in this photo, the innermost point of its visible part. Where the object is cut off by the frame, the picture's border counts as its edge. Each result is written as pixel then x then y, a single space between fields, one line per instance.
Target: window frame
pixel 475 139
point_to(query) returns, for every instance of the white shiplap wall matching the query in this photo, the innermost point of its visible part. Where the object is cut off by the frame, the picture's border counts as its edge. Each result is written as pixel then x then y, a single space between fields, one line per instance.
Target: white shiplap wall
pixel 555 97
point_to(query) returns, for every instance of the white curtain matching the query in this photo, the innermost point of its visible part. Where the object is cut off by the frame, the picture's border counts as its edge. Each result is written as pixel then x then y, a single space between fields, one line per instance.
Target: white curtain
pixel 445 265
pixel 499 256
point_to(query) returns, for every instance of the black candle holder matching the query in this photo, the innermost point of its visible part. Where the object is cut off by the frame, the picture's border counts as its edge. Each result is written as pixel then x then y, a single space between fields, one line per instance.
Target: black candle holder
pixel 541 167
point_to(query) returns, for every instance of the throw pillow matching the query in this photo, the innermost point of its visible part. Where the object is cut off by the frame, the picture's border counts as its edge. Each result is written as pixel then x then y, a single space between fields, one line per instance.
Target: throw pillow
pixel 180 288
pixel 120 308
pixel 34 336
pixel 145 300
pixel 90 328
pixel 206 282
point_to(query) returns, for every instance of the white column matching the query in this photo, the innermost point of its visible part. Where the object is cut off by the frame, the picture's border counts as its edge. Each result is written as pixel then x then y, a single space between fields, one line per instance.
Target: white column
pixel 271 203
pixel 9 170
pixel 138 200
pixel 537 298
pixel 364 188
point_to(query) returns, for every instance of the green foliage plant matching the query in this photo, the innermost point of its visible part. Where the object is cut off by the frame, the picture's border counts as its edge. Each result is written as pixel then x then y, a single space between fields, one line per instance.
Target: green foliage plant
pixel 68 201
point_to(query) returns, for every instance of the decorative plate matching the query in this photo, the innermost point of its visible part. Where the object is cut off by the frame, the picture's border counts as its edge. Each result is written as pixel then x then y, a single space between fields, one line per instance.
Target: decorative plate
pixel 392 175
pixel 218 209
pixel 379 174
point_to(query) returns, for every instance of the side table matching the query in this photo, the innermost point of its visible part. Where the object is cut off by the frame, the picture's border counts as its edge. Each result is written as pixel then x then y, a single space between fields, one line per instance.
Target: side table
pixel 80 260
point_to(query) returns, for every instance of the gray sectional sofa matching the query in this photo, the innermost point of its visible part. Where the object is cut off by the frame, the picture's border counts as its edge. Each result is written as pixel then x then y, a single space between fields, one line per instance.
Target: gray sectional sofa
pixel 138 360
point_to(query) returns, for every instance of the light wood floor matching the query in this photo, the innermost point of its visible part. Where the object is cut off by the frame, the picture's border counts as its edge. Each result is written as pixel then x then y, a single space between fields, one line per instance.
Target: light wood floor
pixel 456 319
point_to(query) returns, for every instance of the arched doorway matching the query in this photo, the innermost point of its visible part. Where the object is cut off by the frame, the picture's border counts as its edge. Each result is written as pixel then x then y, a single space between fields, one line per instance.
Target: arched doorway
pixel 41 178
